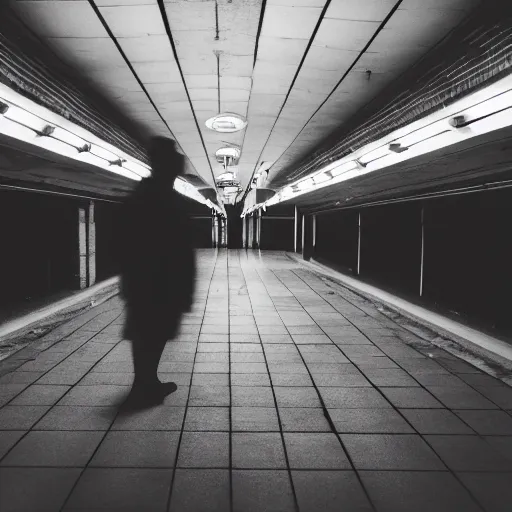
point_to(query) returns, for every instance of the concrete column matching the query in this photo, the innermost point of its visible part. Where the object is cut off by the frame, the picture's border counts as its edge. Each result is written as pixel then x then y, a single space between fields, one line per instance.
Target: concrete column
pixel 250 220
pixel 359 244
pixel 422 248
pixel 295 230
pixel 215 231
pixel 314 232
pixel 82 249
pixel 244 233
pixel 303 242
pixel 258 229
pixel 91 246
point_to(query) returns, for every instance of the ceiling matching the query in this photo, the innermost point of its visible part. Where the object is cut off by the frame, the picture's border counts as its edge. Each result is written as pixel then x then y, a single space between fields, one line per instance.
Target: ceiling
pixel 297 69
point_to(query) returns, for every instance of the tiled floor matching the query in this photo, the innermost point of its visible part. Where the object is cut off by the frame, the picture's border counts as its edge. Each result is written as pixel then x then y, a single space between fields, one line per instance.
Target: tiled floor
pixel 293 395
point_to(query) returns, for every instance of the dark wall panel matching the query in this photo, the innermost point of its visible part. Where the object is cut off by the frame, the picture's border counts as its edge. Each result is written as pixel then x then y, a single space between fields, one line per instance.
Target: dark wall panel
pixel 277 233
pixel 336 239
pixel 468 255
pixel 391 246
pixel 39 238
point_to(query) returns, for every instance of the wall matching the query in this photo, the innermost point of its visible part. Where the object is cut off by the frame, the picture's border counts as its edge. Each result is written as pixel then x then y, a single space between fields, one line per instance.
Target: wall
pixel 39 255
pixel 277 225
pixel 467 271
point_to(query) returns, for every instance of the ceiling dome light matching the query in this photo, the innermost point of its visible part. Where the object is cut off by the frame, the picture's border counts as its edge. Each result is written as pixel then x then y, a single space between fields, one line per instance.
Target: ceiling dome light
pixel 226 123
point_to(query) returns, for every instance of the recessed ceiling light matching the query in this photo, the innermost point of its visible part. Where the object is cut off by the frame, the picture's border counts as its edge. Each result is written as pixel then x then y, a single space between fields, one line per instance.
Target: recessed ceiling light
pixel 232 153
pixel 226 123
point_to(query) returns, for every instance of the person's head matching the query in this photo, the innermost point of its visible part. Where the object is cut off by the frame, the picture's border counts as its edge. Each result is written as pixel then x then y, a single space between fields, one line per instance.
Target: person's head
pixel 166 162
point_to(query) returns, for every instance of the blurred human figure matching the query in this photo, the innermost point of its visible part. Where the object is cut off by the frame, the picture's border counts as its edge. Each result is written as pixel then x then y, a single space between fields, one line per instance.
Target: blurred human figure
pixel 157 269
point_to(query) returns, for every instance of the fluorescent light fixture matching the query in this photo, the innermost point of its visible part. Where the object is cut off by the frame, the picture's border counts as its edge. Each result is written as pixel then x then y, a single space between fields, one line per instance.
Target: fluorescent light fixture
pixel 226 123
pixel 373 155
pixel 305 184
pixel 25 118
pixel 322 177
pixel 343 168
pixel 483 111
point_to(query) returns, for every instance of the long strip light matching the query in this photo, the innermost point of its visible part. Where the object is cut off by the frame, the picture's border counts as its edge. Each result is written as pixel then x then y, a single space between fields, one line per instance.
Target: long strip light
pixel 484 111
pixel 25 120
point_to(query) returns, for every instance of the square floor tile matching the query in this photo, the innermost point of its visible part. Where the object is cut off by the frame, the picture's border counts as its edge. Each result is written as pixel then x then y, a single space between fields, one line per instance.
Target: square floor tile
pixel 340 381
pixel 249 368
pixel 161 417
pixel 21 417
pixel 61 449
pixel 211 367
pixel 204 450
pixel 303 420
pixel 207 419
pixel 311 339
pixel 502 444
pixel 96 396
pixel 137 449
pixel 77 418
pixel 254 419
pixel 487 422
pixel 257 396
pixel 501 396
pixel 315 451
pixel 35 489
pixel 8 439
pixel 210 379
pixel 461 397
pixel 371 421
pixel 390 377
pixel 247 357
pixel 249 380
pixel 411 398
pixel 492 490
pixel 121 490
pixel 353 398
pixel 291 379
pixel 435 421
pixel 468 453
pixel 244 338
pixel 217 396
pixel 387 451
pixel 421 491
pixel 200 490
pixel 257 490
pixel 296 397
pixel 275 338
pixel 329 491
pixel 262 450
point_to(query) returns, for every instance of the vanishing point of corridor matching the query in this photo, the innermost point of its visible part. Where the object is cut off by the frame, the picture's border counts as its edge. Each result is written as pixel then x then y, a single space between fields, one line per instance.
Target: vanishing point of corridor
pixel 294 394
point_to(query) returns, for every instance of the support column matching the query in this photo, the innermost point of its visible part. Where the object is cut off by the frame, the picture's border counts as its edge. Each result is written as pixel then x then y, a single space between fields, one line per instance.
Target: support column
pixel 314 232
pixel 359 244
pixel 244 233
pixel 82 249
pixel 251 232
pixel 295 229
pixel 258 230
pixel 91 246
pixel 422 248
pixel 215 231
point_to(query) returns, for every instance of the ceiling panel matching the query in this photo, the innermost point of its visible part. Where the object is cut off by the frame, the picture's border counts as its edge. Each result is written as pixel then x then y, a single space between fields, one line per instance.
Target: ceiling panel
pixel 412 29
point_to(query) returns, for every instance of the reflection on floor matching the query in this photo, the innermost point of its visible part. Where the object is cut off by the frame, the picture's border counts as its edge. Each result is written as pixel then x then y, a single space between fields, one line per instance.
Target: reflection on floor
pixel 291 397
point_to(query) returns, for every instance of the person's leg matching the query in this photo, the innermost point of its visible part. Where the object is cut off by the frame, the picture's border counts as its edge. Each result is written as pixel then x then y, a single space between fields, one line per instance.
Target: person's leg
pixel 146 357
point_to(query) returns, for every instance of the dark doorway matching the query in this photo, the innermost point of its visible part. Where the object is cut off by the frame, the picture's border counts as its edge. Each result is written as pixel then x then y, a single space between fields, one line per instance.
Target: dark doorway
pixel 234 226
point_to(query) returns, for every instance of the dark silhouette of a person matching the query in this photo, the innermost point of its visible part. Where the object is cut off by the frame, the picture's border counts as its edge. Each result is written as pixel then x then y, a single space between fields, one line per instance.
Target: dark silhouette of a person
pixel 157 269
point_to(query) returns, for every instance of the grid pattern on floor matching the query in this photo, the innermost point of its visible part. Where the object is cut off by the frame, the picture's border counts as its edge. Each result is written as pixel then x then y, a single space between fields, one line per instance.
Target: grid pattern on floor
pixel 292 395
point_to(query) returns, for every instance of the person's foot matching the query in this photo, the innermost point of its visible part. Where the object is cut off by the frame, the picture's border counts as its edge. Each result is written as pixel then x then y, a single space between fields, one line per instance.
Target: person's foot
pixel 144 396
